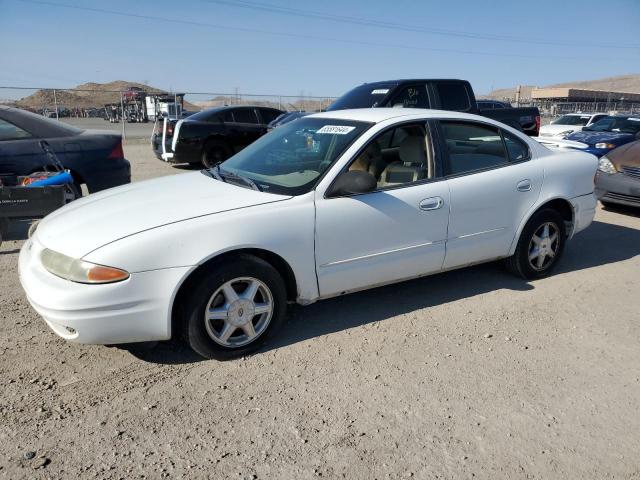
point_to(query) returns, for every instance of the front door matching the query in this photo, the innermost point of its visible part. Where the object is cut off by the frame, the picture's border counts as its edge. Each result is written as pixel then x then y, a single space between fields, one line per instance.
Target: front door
pixel 394 233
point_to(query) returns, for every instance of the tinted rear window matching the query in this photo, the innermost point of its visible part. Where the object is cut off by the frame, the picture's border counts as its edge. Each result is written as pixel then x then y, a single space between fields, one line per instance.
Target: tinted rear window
pixel 453 96
pixel 206 115
pixel 245 115
pixel 364 96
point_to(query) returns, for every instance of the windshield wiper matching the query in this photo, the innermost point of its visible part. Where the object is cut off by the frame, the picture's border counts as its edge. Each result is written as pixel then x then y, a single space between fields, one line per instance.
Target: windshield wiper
pixel 215 172
pixel 218 174
pixel 235 176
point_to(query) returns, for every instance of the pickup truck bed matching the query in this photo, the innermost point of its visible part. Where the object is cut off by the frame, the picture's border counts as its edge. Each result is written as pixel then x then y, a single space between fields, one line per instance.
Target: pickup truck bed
pixel 441 94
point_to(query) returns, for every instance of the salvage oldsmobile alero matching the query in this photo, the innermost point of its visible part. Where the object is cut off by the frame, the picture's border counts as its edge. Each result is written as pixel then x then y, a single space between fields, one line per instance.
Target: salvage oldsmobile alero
pixel 329 204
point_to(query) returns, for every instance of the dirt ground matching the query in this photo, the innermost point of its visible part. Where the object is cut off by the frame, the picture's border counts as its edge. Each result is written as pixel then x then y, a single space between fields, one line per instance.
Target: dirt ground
pixel 468 374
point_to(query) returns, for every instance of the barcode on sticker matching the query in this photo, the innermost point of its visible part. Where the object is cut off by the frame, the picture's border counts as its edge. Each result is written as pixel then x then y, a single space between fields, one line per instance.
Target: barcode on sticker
pixel 335 130
pixel 380 91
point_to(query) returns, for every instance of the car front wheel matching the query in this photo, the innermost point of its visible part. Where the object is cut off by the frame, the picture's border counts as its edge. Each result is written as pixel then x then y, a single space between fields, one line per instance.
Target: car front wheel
pixel 235 307
pixel 540 245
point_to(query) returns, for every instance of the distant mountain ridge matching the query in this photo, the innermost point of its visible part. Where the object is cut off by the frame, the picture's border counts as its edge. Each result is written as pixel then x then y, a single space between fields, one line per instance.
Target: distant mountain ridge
pixel 621 83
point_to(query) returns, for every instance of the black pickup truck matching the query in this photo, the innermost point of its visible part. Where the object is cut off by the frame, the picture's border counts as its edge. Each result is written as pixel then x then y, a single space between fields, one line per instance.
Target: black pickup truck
pixel 440 94
pixel 210 136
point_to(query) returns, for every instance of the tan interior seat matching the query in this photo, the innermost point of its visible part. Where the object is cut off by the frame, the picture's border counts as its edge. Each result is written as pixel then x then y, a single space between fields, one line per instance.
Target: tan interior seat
pixel 370 160
pixel 412 165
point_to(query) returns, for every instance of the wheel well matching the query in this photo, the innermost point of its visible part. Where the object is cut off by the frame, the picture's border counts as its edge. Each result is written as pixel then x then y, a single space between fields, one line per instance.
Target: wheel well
pixel 219 139
pixel 564 208
pixel 275 260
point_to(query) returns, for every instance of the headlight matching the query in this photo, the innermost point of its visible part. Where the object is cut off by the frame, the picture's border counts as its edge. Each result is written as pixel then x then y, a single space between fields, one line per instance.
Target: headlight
pixel 605 145
pixel 78 270
pixel 605 165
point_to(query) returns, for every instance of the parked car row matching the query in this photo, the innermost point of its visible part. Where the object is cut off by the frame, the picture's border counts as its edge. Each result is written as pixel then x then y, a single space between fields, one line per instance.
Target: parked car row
pixel 212 136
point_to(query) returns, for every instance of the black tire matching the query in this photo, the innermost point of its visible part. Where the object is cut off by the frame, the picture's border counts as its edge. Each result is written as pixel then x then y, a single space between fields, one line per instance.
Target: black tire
pixel 214 152
pixel 194 330
pixel 519 263
pixel 4 226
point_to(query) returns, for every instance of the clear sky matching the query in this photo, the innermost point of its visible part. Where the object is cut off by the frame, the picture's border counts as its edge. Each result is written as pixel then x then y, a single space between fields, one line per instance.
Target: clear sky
pixel 315 47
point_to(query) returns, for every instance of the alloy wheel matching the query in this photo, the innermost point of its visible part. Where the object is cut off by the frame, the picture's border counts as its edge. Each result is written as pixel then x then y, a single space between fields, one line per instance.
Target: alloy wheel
pixel 543 246
pixel 238 312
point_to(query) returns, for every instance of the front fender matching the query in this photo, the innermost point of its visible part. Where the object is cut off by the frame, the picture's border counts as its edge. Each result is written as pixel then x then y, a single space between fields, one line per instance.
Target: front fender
pixel 286 229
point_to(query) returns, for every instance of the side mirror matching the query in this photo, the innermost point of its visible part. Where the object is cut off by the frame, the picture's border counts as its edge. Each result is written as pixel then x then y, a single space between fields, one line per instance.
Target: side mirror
pixel 353 182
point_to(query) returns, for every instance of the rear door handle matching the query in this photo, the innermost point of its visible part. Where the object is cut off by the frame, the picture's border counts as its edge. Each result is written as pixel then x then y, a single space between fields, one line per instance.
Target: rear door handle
pixel 432 203
pixel 524 185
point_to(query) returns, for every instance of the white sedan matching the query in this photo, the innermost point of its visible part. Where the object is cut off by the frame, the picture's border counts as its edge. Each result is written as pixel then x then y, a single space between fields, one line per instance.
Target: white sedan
pixel 569 123
pixel 329 204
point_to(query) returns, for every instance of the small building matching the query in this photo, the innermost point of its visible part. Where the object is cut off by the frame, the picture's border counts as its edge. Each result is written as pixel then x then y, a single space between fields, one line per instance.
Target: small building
pixel 560 100
pixel 568 94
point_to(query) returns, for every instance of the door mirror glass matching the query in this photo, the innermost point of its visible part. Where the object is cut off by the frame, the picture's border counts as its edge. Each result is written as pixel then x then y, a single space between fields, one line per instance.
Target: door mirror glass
pixel 353 182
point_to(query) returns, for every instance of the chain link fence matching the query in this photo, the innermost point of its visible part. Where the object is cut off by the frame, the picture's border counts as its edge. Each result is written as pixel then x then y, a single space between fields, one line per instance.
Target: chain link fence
pixel 137 105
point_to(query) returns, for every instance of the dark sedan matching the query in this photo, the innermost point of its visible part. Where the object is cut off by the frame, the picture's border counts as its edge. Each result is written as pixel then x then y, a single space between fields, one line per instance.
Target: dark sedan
pixel 94 157
pixel 608 133
pixel 618 177
pixel 211 136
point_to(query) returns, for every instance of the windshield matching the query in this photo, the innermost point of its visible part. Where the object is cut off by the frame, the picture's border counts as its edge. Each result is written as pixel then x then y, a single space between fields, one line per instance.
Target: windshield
pixel 364 96
pixel 291 158
pixel 616 124
pixel 581 120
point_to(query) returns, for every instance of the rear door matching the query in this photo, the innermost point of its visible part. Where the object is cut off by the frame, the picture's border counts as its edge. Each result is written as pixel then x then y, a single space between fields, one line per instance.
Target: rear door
pixel 493 183
pixel 246 128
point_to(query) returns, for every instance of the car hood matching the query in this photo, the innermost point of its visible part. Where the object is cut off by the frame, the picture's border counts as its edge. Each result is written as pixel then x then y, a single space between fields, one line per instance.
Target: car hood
pixel 556 129
pixel 91 222
pixel 628 154
pixel 591 138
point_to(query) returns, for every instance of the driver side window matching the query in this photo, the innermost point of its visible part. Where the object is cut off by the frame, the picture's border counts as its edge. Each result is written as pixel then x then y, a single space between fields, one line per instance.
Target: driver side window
pixel 398 156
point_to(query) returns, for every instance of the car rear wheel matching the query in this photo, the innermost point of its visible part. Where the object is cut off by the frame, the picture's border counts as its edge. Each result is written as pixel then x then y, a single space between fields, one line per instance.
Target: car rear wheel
pixel 214 152
pixel 540 245
pixel 235 308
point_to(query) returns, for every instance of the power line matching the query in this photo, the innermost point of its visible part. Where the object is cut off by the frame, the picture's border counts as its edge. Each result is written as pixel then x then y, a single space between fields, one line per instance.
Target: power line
pixel 299 35
pixel 404 27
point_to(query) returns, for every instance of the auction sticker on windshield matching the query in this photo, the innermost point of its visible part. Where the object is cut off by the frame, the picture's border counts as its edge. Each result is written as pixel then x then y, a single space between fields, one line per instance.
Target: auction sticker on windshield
pixel 380 91
pixel 335 130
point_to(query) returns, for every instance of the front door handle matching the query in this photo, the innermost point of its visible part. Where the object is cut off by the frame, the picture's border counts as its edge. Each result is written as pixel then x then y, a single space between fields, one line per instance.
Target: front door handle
pixel 524 185
pixel 432 203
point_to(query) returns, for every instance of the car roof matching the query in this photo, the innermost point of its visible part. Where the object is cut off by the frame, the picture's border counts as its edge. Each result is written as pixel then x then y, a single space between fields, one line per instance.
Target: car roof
pixel 377 115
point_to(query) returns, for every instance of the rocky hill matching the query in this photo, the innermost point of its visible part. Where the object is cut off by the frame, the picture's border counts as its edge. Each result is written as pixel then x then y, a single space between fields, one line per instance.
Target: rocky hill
pixel 86 95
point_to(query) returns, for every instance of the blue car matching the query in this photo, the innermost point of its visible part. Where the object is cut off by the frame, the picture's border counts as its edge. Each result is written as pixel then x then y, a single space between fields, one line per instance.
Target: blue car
pixel 608 133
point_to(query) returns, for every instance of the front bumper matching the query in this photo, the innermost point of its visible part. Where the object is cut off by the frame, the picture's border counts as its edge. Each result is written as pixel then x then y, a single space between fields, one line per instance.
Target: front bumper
pixel 135 310
pixel 618 188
